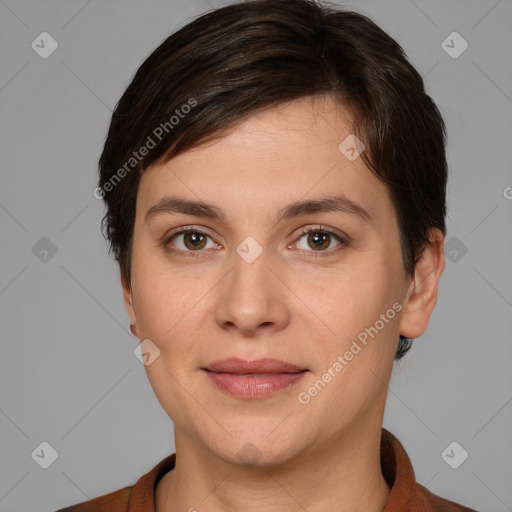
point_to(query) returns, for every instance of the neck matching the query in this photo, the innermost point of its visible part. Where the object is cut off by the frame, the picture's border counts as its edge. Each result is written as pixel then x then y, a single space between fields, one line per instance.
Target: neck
pixel 343 475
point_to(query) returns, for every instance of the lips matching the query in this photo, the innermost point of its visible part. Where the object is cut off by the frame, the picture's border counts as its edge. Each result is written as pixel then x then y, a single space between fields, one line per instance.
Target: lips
pixel 253 379
pixel 239 366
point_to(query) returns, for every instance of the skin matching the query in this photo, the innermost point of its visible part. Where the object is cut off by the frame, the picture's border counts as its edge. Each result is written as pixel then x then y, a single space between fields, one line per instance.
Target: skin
pixel 288 304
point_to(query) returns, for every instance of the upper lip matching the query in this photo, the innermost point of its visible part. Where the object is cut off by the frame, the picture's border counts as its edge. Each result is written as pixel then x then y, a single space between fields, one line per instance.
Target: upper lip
pixel 240 366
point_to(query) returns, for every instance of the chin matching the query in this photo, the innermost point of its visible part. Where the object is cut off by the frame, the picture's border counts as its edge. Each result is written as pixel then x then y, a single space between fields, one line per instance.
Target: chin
pixel 257 449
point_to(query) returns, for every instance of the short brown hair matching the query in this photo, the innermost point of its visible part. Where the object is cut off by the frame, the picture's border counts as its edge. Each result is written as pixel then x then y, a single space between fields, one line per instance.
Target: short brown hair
pixel 236 60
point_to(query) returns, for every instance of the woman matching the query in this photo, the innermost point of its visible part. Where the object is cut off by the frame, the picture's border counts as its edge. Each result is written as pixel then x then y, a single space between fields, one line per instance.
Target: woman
pixel 274 177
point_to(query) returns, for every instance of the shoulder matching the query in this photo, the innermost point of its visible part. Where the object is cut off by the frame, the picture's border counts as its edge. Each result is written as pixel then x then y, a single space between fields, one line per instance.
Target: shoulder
pixel 117 501
pixel 139 496
pixel 407 495
pixel 439 504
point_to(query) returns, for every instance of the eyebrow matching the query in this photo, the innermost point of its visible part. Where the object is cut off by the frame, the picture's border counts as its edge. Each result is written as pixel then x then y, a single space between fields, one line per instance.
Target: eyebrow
pixel 340 203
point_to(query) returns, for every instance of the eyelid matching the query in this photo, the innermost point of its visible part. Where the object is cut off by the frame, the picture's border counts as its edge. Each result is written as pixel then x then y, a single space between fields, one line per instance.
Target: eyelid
pixel 324 229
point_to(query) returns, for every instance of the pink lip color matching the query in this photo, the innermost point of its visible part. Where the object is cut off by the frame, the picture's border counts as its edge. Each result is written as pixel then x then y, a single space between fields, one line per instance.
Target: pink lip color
pixel 254 385
pixel 253 379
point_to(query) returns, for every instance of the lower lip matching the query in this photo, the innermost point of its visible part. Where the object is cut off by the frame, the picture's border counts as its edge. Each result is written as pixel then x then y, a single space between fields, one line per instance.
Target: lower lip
pixel 254 385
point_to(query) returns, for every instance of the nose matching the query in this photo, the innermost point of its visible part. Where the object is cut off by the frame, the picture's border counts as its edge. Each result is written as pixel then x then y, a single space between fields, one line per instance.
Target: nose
pixel 251 298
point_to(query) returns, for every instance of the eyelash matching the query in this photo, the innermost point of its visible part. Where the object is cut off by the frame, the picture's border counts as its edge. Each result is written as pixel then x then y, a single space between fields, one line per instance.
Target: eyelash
pixel 306 231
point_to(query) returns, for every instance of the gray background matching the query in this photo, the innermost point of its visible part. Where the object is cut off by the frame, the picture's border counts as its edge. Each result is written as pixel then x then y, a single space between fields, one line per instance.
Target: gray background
pixel 68 375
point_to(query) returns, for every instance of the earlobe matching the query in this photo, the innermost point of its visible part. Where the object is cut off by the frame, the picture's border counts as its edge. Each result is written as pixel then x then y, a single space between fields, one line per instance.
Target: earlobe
pixel 128 302
pixel 421 296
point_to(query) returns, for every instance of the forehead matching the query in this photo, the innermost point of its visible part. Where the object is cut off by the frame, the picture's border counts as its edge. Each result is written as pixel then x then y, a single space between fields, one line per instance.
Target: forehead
pixel 296 150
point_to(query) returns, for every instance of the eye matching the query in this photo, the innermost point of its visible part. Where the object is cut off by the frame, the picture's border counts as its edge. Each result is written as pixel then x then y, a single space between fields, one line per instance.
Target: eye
pixel 189 240
pixel 319 240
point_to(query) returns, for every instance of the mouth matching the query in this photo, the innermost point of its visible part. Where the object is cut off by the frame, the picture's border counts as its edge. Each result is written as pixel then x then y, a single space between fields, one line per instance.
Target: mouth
pixel 257 366
pixel 253 379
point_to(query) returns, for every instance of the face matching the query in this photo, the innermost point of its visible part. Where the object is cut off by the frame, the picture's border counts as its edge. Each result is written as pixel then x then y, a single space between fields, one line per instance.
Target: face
pixel 319 285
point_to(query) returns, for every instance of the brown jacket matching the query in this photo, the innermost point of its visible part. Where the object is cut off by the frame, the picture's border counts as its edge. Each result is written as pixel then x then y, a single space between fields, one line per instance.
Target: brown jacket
pixel 406 494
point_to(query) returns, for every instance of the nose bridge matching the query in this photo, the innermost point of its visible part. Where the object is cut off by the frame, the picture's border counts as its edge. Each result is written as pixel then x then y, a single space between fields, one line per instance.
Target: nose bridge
pixel 250 274
pixel 249 296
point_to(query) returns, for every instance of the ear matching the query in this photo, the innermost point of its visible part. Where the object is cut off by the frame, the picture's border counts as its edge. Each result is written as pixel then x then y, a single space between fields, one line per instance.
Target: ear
pixel 128 298
pixel 421 295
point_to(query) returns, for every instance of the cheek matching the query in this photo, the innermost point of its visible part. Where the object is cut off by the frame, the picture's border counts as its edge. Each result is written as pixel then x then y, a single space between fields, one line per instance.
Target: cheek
pixel 166 304
pixel 351 297
pixel 357 305
pixel 359 308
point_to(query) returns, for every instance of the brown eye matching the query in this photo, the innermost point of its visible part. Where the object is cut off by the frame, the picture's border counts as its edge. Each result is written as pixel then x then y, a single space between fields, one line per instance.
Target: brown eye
pixel 319 240
pixel 188 240
pixel 193 240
